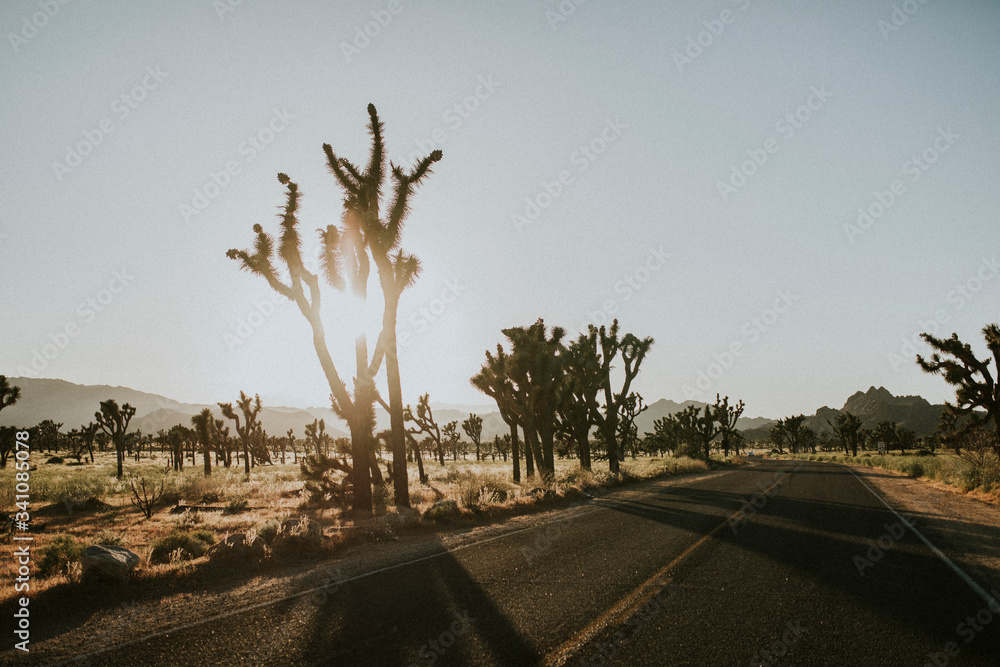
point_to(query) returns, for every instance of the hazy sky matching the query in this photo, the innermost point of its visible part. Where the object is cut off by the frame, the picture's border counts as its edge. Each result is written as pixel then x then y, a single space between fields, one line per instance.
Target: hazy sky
pixel 697 168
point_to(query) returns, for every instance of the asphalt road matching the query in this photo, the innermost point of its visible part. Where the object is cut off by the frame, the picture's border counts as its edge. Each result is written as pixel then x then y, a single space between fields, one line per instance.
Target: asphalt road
pixel 652 575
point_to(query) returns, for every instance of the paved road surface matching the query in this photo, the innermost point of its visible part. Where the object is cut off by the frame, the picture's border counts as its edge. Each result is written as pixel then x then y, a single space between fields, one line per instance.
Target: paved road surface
pixel 663 574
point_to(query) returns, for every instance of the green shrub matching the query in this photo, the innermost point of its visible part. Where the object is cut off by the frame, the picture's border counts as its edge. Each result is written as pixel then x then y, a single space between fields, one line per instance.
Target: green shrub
pixel 382 494
pixel 188 545
pixel 59 555
pixel 269 529
pixel 237 506
pixel 108 538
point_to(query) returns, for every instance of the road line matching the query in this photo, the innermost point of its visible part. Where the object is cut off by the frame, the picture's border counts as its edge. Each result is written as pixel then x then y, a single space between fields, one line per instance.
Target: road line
pixel 979 590
pixel 634 600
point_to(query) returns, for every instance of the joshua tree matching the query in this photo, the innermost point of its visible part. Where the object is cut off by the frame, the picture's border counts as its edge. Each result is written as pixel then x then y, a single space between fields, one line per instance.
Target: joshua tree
pixel 473 427
pixel 342 252
pixel 114 420
pixel 792 432
pixel 706 430
pixel 88 433
pixel 8 394
pixel 885 431
pixel 203 425
pixel 578 402
pixel 633 351
pixel 451 436
pixel 726 416
pixel 847 429
pixel 494 381
pixel 317 436
pixel 397 270
pixel 248 429
pixel 905 438
pixel 535 368
pixel 628 433
pixel 424 422
pixel 976 386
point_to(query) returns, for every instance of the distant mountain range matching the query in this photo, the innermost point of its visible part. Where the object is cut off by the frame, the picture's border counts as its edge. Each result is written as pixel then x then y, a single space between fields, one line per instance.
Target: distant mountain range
pixel 872 407
pixel 74 405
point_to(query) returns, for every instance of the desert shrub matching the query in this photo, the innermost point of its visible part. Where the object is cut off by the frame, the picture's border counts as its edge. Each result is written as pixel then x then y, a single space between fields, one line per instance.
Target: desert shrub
pixel 913 468
pixel 328 479
pixel 75 492
pixel 693 451
pixel 189 520
pixel 924 452
pixel 478 490
pixel 54 459
pixel 60 556
pixel 185 545
pixel 108 538
pixel 382 494
pixel 237 506
pixel 144 494
pixel 269 529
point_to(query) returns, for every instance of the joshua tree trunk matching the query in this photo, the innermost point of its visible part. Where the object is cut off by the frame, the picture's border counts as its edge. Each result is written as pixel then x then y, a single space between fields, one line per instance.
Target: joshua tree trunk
pixel 515 453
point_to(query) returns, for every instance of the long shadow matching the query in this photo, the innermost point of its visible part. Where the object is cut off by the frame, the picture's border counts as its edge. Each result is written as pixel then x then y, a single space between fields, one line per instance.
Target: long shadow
pixel 906 586
pixel 428 611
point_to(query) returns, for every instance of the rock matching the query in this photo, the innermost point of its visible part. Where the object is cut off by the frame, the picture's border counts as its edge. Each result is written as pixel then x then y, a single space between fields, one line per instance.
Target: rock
pixel 108 563
pixel 442 510
pixel 237 550
pixel 298 538
pixel 406 517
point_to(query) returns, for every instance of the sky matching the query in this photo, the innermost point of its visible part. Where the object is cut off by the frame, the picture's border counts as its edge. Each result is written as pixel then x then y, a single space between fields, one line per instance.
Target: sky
pixel 783 195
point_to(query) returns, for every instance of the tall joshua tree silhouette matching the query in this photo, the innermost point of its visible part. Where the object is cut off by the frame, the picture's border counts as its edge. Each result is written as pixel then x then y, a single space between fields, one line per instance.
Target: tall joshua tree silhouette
pixel 397 270
pixel 345 265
